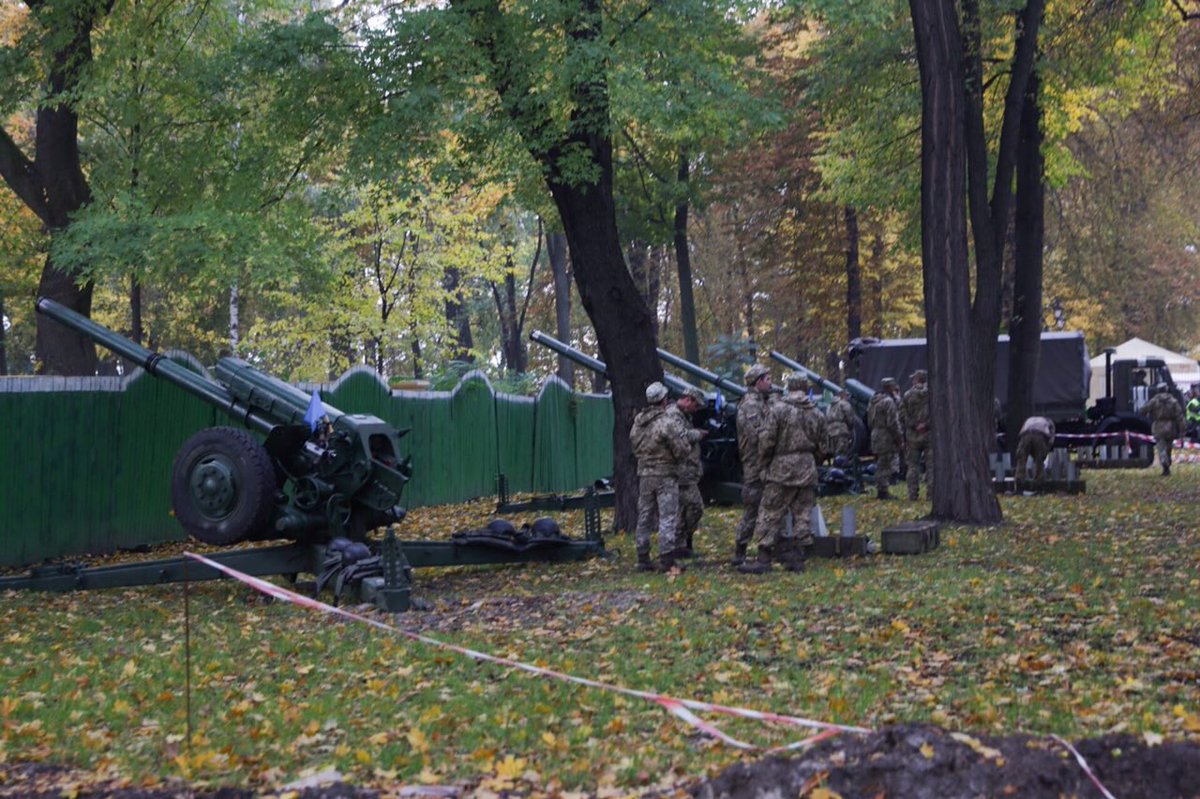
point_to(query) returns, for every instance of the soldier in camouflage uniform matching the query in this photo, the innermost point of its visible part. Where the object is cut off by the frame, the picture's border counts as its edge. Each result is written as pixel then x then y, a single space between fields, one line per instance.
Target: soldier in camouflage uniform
pixel 751 415
pixel 1035 441
pixel 790 446
pixel 915 412
pixel 887 437
pixel 660 445
pixel 840 422
pixel 691 504
pixel 1166 423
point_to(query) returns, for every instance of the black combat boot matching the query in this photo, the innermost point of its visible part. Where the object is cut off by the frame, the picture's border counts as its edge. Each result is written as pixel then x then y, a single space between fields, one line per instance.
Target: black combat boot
pixel 790 555
pixel 882 493
pixel 644 564
pixel 668 562
pixel 1166 470
pixel 760 565
pixel 739 555
pixel 686 550
pixel 796 559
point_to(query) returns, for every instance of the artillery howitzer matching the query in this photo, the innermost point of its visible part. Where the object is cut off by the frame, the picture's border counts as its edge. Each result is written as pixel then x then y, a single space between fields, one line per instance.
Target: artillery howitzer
pixel 719 450
pixel 321 478
pixel 343 471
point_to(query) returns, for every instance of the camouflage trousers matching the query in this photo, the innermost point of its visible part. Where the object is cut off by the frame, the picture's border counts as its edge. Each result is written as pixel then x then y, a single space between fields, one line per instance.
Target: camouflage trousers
pixel 752 494
pixel 1036 446
pixel 658 497
pixel 778 499
pixel 691 509
pixel 915 446
pixel 1163 444
pixel 885 468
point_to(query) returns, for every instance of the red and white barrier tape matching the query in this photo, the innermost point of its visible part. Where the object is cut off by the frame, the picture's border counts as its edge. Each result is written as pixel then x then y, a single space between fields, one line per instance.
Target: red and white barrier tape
pixel 1083 764
pixel 1125 435
pixel 681 708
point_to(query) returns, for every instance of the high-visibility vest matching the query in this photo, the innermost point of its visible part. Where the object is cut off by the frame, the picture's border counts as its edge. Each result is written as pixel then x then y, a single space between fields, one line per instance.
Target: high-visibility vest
pixel 1193 409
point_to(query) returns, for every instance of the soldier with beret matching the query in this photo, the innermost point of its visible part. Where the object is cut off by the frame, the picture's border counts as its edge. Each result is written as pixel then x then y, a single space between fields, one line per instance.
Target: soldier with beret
pixel 659 440
pixel 915 412
pixel 789 446
pixel 691 504
pixel 751 415
pixel 887 437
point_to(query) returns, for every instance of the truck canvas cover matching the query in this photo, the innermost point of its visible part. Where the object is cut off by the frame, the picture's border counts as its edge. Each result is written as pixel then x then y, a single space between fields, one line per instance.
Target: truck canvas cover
pixel 1060 392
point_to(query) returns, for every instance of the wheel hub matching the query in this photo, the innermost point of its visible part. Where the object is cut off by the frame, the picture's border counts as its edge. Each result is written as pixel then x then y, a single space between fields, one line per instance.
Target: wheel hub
pixel 213 487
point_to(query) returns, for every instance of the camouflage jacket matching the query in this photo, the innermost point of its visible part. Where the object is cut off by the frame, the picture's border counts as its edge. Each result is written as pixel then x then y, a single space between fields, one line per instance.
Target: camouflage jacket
pixel 883 415
pixel 751 416
pixel 1166 416
pixel 839 421
pixel 692 469
pixel 791 439
pixel 659 442
pixel 914 410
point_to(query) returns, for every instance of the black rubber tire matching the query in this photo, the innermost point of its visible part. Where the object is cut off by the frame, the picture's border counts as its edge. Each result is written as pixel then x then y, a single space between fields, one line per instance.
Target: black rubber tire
pixel 249 501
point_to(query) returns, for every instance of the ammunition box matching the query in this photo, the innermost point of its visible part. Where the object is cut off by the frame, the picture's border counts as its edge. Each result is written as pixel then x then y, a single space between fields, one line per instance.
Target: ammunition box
pixel 911 538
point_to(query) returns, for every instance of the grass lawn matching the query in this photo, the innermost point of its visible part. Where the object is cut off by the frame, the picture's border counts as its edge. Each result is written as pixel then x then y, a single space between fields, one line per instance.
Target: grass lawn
pixel 1078 616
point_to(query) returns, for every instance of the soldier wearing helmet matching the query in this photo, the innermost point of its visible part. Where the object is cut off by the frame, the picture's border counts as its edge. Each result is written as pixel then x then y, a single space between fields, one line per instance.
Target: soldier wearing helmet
pixel 691 504
pixel 751 415
pixel 659 442
pixel 790 446
pixel 840 422
pixel 914 410
pixel 1166 423
pixel 887 437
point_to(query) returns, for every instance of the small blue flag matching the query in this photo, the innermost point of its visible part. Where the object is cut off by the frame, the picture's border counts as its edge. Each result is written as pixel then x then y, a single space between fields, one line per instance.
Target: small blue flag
pixel 316 409
pixel 719 402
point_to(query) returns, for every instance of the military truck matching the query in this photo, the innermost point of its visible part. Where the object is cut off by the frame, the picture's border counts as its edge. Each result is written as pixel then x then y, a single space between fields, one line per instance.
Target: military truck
pixel 1060 391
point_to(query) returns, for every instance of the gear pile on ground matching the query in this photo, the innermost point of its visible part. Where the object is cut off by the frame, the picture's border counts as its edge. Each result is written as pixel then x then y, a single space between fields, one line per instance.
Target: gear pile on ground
pixel 925 762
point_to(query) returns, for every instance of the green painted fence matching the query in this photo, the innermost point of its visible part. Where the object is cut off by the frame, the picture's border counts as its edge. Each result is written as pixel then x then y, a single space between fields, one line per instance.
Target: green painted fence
pixel 85 463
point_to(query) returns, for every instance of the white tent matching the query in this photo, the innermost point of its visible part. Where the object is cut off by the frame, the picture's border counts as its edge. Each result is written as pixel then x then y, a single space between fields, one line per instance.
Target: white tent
pixel 1184 370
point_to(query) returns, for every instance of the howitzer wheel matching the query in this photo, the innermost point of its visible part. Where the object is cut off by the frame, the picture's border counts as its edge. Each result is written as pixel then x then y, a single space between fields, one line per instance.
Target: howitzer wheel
pixel 223 486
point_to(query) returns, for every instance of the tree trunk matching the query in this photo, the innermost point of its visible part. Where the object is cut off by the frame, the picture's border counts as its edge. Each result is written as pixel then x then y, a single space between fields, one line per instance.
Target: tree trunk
pixel 53 186
pixel 623 322
pixel 876 282
pixel 853 277
pixel 556 251
pixel 645 274
pixel 683 263
pixel 962 486
pixel 1025 327
pixel 457 318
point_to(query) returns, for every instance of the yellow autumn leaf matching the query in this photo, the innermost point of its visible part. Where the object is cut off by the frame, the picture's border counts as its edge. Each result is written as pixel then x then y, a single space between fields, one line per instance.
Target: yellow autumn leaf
pixel 428 776
pixel 976 745
pixel 362 756
pixel 417 740
pixel 899 626
pixel 129 669
pixel 379 739
pixel 927 750
pixel 549 739
pixel 510 767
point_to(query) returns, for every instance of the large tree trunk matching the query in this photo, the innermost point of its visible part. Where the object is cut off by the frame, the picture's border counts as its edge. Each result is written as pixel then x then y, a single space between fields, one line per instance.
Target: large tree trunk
pixel 623 322
pixel 962 486
pixel 53 186
pixel 556 252
pixel 1025 327
pixel 683 263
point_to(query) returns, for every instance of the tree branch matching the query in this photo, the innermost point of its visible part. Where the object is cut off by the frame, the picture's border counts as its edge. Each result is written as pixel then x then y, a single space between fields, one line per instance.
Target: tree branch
pixel 18 172
pixel 1184 14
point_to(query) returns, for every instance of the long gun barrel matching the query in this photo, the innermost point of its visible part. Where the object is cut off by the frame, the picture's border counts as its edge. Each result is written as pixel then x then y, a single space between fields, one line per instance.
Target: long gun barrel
pixel 588 362
pixel 703 374
pixel 858 392
pixel 153 362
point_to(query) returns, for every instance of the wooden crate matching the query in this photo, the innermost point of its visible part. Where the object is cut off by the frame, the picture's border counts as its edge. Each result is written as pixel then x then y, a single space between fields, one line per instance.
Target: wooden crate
pixel 911 538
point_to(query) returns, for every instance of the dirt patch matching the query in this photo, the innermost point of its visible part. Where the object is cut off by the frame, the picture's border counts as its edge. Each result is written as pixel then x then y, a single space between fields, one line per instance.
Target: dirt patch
pixel 926 762
pixel 906 761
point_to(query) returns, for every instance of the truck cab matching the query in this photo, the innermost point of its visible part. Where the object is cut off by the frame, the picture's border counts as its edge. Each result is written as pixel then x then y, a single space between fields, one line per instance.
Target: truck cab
pixel 1129 384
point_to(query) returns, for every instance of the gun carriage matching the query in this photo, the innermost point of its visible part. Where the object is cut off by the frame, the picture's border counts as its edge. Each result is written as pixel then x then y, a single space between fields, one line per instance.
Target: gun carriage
pixel 318 477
